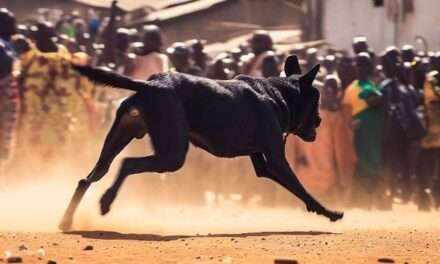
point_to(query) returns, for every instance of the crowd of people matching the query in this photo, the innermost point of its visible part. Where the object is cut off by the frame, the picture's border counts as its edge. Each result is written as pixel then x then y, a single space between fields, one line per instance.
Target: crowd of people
pixel 379 142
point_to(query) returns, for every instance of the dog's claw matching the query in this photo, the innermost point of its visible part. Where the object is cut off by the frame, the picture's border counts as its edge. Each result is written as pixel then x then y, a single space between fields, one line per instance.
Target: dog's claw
pixel 106 200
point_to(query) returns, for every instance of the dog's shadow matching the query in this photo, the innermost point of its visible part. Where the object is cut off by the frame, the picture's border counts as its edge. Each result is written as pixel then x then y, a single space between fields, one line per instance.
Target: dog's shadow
pixel 111 235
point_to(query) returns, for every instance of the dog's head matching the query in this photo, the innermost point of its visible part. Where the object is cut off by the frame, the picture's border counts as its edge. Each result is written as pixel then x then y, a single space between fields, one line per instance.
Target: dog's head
pixel 306 118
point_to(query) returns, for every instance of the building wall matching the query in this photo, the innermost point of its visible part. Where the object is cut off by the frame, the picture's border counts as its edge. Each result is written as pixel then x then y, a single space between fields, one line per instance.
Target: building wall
pixel 344 19
pixel 205 24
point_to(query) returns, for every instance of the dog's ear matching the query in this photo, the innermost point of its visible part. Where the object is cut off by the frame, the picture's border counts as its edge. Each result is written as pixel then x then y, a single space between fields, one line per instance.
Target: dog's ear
pixel 292 66
pixel 307 79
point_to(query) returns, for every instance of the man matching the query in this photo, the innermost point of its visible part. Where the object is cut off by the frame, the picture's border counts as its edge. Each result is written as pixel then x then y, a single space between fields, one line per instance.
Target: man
pixel 9 98
pixel 401 123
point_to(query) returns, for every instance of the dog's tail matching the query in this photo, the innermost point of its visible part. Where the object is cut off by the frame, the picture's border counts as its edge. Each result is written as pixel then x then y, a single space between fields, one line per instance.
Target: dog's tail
pixel 107 77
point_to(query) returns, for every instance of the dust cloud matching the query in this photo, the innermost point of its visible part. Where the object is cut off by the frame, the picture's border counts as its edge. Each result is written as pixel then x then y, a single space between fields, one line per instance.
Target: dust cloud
pixel 173 204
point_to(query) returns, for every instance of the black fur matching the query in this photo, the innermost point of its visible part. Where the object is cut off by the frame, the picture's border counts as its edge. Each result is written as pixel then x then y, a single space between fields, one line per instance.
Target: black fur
pixel 240 117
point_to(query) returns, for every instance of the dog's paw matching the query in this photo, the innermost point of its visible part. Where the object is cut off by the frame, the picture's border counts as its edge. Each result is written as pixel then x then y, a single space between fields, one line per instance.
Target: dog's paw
pixel 332 216
pixel 335 216
pixel 106 201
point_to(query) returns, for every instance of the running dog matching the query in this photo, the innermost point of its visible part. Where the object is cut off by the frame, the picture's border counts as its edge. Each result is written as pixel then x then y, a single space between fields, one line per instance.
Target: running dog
pixel 245 116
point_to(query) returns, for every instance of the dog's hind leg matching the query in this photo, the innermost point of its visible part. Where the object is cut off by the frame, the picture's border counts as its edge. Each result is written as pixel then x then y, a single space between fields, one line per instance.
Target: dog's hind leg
pixel 168 130
pixel 128 124
pixel 155 163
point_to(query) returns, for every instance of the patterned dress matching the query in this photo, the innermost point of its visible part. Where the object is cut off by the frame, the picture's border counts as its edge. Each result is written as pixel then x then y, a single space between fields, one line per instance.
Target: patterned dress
pixel 57 104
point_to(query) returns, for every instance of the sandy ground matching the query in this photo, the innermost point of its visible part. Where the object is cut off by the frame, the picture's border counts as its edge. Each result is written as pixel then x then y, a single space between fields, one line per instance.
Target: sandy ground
pixel 233 235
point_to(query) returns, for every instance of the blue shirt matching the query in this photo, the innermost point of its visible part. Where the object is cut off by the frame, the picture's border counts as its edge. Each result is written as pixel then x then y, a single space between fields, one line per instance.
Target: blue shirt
pixel 7 57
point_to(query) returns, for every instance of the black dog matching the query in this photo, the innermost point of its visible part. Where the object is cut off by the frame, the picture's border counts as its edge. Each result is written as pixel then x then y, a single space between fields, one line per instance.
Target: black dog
pixel 240 117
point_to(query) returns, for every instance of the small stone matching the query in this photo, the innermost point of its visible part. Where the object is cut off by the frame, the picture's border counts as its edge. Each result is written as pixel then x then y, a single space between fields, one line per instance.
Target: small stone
pixel 88 247
pixel 285 261
pixel 14 259
pixel 41 252
pixel 22 247
pixel 385 260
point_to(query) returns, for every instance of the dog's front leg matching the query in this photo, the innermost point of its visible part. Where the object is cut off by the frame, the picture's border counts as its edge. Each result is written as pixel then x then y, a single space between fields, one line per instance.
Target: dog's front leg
pixel 259 163
pixel 284 175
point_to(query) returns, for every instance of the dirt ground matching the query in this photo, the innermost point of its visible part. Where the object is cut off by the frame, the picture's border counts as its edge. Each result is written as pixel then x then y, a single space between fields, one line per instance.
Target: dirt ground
pixel 232 235
pixel 140 231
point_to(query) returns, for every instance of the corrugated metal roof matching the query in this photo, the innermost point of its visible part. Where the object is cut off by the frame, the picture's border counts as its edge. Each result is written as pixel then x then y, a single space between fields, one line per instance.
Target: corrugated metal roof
pixel 283 40
pixel 183 9
pixel 129 5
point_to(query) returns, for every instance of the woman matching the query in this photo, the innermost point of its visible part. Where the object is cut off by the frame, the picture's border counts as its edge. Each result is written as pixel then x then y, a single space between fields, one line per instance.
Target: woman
pixel 57 101
pixel 365 101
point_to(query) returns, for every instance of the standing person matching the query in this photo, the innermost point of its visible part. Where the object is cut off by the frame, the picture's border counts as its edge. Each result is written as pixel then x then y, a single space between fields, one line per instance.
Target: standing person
pixel 57 101
pixel 402 126
pixel 429 163
pixel 364 100
pixel 180 55
pixel 108 36
pixel 346 72
pixel 261 45
pixel 200 57
pixel 150 59
pixel 331 158
pixel 124 61
pixel 9 96
pixel 94 22
pixel 360 44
